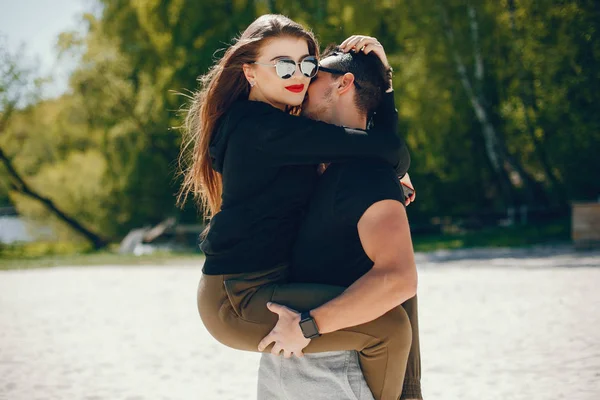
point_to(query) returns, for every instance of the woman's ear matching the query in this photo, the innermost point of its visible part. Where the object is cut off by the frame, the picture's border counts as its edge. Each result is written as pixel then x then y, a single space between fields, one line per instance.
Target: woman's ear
pixel 249 74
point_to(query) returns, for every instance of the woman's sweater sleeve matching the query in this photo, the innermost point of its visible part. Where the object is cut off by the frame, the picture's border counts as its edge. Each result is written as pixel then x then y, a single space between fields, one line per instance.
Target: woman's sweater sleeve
pixel 386 118
pixel 286 140
pixel 386 115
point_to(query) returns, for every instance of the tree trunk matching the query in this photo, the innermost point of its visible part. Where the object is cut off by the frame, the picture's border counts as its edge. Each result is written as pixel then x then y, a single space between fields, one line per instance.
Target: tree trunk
pixel 490 138
pixel 320 15
pixel 529 101
pixel 21 186
pixel 534 191
pixel 502 162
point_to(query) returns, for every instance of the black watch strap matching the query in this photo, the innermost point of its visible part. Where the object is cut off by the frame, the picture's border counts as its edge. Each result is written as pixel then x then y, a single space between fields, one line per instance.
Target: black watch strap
pixel 308 326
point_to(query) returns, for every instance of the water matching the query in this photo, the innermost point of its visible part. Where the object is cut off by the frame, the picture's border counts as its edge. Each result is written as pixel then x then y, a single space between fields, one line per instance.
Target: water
pixel 13 229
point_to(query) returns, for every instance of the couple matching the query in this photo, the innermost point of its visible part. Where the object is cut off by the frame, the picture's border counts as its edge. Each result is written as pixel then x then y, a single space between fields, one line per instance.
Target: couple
pixel 308 249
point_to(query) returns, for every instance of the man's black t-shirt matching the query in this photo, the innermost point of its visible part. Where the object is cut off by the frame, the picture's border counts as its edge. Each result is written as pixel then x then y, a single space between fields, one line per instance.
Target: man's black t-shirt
pixel 328 249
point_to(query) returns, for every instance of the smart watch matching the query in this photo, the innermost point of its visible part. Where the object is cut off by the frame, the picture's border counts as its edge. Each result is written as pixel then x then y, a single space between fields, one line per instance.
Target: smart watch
pixel 308 326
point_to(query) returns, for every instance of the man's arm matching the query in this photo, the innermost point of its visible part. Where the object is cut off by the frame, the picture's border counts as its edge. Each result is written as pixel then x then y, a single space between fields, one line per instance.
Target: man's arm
pixel 385 237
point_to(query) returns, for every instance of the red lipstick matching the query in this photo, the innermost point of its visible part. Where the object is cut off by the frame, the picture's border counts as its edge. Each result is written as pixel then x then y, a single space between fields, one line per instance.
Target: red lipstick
pixel 295 88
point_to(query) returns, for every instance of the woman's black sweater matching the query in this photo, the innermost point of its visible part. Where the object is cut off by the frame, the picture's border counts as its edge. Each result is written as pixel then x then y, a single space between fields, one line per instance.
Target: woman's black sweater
pixel 268 161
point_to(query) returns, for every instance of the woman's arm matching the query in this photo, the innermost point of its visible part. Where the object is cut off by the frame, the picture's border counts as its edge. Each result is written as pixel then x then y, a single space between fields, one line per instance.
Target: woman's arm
pixel 293 140
pixel 288 140
pixel 299 140
pixel 386 118
pixel 386 115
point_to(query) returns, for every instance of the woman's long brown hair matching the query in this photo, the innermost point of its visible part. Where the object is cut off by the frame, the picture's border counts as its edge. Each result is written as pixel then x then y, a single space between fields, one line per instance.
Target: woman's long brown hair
pixel 219 88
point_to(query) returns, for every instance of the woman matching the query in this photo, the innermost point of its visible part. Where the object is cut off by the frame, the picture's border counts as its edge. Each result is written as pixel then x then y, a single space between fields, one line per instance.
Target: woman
pixel 254 168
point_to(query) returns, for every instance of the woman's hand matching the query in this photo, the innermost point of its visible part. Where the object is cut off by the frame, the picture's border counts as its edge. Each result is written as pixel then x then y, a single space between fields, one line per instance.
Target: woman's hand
pixel 405 181
pixel 286 334
pixel 367 44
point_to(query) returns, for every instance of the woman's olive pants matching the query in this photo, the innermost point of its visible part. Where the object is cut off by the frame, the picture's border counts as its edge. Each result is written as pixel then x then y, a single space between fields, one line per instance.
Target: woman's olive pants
pixel 233 309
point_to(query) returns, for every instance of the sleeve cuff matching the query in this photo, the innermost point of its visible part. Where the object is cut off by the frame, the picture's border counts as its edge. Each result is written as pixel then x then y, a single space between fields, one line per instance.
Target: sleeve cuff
pixel 411 389
pixel 388 97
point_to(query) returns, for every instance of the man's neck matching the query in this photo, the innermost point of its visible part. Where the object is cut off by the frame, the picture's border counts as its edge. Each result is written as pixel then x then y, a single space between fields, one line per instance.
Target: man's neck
pixel 349 117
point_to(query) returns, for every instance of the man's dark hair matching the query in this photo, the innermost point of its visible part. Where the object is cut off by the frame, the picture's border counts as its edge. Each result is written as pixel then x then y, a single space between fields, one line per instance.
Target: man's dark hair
pixel 370 75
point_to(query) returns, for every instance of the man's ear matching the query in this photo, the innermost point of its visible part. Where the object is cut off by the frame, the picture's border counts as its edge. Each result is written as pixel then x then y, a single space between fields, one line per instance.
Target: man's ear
pixel 345 83
pixel 249 73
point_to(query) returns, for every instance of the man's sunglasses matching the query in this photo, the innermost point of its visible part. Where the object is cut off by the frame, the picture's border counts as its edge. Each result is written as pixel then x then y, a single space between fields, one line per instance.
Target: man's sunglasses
pixel 286 67
pixel 337 72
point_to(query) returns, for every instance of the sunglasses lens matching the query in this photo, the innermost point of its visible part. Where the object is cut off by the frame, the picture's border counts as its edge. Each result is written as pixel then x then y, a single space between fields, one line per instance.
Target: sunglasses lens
pixel 309 67
pixel 285 68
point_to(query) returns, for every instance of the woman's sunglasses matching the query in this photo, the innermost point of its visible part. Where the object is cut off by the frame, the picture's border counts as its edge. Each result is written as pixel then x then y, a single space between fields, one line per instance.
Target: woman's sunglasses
pixel 286 67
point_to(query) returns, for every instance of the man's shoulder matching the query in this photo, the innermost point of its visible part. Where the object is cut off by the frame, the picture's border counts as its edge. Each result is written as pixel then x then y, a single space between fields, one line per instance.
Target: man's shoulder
pixel 366 173
pixel 360 184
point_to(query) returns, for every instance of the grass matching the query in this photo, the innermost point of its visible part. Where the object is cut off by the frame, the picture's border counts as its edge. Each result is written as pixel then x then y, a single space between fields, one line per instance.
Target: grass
pixel 514 236
pixel 43 255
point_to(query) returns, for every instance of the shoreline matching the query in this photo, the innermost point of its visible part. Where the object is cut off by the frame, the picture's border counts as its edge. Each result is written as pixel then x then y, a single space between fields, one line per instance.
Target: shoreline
pixel 476 255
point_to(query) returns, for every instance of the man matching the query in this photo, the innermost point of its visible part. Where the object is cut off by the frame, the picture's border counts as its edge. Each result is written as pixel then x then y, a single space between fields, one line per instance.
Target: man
pixel 355 233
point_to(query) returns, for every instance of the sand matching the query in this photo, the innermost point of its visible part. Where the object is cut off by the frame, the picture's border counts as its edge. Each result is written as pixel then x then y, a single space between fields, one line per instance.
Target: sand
pixel 495 324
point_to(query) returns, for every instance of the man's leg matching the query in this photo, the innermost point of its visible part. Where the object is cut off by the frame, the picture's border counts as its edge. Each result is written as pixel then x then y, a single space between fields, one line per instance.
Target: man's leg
pixel 334 375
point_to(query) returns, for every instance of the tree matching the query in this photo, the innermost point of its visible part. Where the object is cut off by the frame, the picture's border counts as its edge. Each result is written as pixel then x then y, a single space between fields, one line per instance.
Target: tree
pixel 497 101
pixel 13 89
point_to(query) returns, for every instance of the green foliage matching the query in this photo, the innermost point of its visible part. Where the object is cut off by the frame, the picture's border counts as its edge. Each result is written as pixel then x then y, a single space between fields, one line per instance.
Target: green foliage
pixel 61 254
pixel 37 250
pixel 514 236
pixel 107 149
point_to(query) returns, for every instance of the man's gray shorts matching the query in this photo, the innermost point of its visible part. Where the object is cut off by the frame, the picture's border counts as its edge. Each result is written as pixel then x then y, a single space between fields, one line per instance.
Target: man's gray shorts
pixel 334 375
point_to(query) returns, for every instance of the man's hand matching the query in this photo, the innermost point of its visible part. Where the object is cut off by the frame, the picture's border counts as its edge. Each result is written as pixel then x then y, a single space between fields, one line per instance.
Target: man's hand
pixel 286 334
pixel 405 181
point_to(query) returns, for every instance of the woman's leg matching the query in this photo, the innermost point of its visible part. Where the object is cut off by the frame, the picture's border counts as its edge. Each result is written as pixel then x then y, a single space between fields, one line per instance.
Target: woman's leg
pixel 411 389
pixel 233 309
pixel 383 344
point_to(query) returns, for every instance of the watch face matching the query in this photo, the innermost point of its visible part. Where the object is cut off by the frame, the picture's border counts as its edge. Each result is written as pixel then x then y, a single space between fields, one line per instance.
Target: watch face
pixel 309 328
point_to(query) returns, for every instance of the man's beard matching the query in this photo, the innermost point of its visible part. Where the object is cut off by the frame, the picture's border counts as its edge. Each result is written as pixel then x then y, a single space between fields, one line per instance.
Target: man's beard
pixel 319 112
pixel 308 114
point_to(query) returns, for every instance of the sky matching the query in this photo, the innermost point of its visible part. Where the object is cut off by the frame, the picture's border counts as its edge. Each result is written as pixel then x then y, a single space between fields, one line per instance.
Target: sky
pixel 36 25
